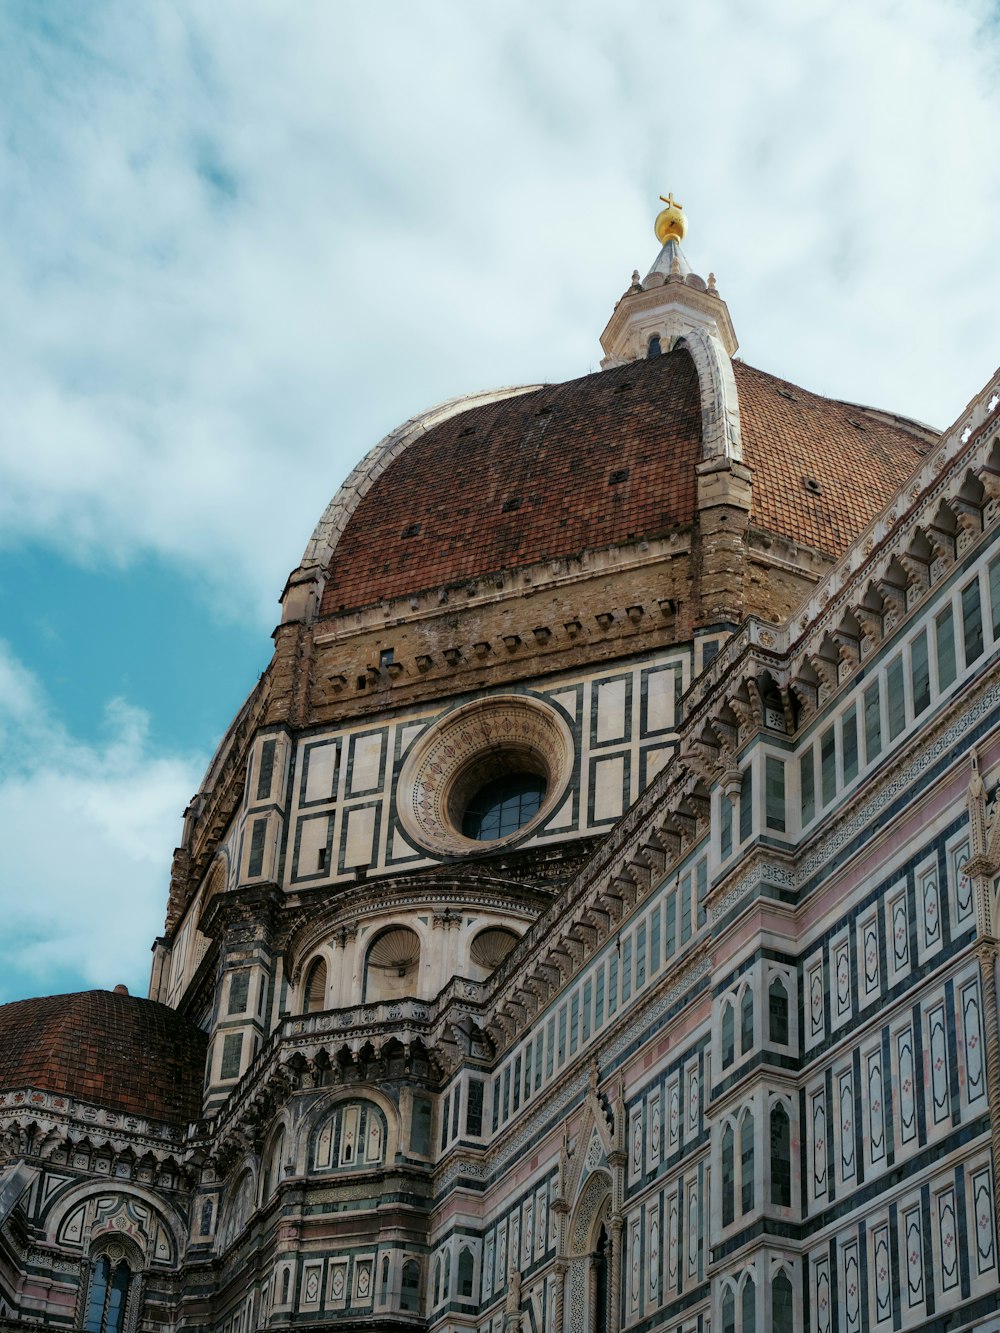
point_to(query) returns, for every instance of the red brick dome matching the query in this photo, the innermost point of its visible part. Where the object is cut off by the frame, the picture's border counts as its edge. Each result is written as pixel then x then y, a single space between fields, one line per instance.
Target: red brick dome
pixel 113 1050
pixel 602 461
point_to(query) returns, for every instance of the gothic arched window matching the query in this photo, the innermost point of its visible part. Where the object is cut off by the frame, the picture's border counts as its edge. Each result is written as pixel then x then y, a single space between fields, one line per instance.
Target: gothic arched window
pixel 728 1311
pixel 728 1035
pixel 409 1296
pixel 383 1293
pixel 728 1175
pixel 781 1304
pixel 465 1266
pixel 746 1164
pixel 749 1304
pixel 781 1157
pixel 777 1012
pixel 746 1022
pixel 112 1282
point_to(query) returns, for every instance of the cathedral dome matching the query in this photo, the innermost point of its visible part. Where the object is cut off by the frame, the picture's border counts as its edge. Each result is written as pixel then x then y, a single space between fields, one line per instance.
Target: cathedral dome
pixel 108 1048
pixel 600 462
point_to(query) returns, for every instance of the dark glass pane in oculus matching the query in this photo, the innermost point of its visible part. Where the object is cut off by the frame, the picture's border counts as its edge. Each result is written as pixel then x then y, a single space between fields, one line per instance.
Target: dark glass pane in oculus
pixel 503 806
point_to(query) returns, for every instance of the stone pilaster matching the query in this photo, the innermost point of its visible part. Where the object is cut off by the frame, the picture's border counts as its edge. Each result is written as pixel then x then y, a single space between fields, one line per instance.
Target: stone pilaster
pixel 614 1314
pixel 561 1269
pixel 724 493
pixel 986 952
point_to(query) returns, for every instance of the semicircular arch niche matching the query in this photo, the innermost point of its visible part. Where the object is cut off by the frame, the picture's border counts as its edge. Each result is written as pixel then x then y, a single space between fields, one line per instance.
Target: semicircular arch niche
pixel 491 946
pixel 354 1135
pixel 392 964
pixel 513 751
pixel 238 1208
pixel 103 1213
pixel 314 998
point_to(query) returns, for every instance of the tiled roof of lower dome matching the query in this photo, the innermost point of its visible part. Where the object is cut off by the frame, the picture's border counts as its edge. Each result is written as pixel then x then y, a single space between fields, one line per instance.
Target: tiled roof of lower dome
pixel 113 1050
pixel 605 460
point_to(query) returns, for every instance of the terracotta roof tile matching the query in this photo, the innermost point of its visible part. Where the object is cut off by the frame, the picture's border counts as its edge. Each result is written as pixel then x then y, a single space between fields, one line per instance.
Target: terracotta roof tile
pixel 528 479
pixel 604 460
pixel 118 1051
pixel 858 457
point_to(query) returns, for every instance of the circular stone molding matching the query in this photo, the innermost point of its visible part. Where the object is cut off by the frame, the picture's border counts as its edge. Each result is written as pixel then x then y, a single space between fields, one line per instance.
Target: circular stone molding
pixel 486 739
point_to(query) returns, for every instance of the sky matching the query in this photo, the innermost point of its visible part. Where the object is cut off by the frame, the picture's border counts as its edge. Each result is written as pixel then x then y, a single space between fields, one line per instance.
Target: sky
pixel 240 241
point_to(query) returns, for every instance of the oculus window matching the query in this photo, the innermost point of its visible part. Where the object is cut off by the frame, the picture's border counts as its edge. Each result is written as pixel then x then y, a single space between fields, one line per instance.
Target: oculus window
pixel 502 806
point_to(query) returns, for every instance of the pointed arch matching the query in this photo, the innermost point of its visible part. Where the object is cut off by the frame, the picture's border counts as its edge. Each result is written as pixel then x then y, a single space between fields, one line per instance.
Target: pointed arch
pixel 728 1175
pixel 466 1269
pixel 746 1021
pixel 592 1209
pixel 781 1156
pixel 782 1304
pixel 746 1163
pixel 409 1291
pixel 383 1285
pixel 113 1286
pixel 728 1310
pixel 777 1012
pixel 748 1306
pixel 728 1027
pixel 159 1231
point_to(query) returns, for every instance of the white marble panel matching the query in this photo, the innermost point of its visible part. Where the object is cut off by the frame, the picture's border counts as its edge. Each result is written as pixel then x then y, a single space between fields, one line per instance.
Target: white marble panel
pixel 609 776
pixel 360 837
pixel 659 700
pixel 611 710
pixel 321 769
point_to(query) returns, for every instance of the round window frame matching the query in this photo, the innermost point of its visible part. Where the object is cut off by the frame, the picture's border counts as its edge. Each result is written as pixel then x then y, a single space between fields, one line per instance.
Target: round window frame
pixel 466 748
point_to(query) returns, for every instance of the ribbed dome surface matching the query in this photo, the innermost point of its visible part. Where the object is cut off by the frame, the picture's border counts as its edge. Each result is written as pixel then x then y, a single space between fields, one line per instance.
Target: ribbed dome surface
pixel 605 460
pixel 113 1050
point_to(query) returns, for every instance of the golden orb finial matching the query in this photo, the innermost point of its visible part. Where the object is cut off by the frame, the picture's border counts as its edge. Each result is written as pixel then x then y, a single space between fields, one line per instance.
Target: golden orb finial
pixel 671 224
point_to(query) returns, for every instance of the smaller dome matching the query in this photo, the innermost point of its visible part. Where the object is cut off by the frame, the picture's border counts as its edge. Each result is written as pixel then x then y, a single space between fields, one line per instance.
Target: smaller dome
pixel 108 1048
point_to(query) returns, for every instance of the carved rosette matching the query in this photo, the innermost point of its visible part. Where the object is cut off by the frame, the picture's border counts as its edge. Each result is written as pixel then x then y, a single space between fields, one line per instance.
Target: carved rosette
pixel 485 739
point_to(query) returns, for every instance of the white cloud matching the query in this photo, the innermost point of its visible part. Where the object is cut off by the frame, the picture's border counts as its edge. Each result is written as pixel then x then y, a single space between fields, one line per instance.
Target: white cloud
pixel 87 832
pixel 241 240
